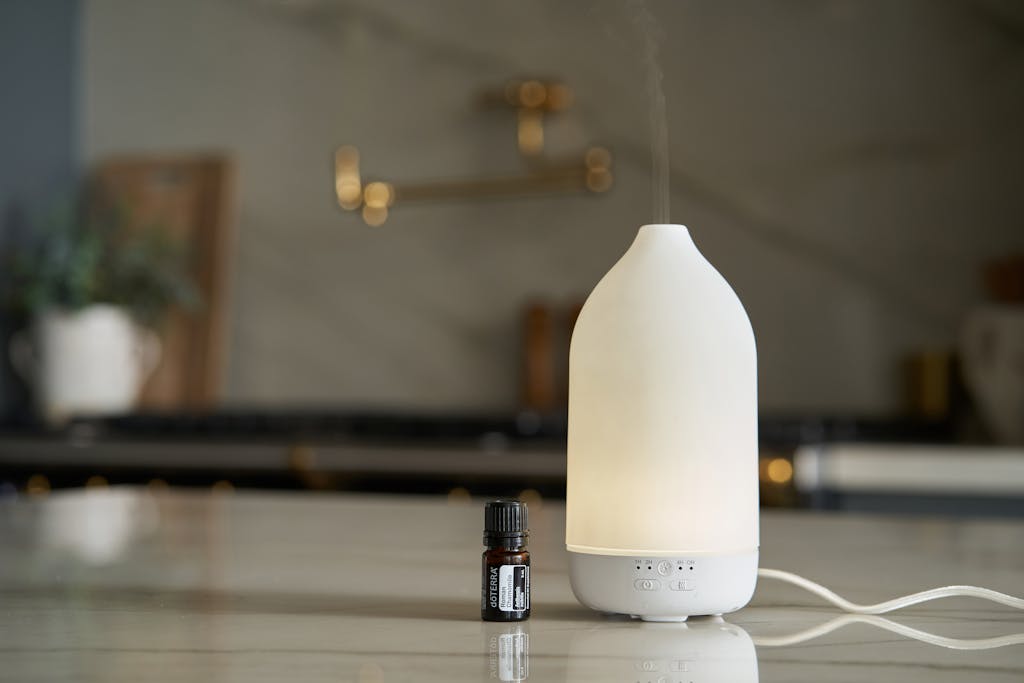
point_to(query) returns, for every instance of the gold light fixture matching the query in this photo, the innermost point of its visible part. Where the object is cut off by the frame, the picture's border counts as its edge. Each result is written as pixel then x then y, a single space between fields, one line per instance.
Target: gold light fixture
pixel 533 100
pixel 347 184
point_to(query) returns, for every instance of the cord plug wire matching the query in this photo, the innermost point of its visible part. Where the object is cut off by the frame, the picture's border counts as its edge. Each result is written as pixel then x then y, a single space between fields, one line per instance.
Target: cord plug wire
pixel 893 627
pixel 896 603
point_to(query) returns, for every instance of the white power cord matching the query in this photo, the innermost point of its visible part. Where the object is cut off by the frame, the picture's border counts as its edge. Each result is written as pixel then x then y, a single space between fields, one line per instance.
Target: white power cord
pixel 892 626
pixel 895 603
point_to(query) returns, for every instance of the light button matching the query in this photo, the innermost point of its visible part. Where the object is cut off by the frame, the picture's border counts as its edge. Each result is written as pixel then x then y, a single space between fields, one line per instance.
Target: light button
pixel 647 584
pixel 664 568
pixel 681 585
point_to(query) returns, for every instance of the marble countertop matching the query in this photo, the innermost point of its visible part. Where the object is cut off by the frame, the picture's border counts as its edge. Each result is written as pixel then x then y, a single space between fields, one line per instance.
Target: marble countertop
pixel 130 584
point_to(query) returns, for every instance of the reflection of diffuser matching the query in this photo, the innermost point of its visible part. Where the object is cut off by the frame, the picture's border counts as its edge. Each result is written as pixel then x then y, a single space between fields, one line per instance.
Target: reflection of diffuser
pixel 662 466
pixel 706 650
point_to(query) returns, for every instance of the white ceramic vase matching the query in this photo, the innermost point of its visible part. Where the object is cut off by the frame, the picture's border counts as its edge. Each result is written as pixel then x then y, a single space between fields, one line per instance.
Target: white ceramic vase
pixel 89 362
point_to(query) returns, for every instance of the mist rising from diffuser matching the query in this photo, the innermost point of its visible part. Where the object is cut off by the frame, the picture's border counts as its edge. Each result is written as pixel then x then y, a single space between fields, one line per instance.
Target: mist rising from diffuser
pixel 658 113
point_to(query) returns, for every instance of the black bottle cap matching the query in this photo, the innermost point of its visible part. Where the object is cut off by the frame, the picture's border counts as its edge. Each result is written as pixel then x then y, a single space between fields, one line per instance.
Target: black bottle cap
pixel 505 519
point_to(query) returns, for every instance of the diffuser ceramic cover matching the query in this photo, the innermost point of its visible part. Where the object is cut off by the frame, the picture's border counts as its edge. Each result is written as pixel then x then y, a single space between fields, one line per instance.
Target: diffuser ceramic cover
pixel 662 499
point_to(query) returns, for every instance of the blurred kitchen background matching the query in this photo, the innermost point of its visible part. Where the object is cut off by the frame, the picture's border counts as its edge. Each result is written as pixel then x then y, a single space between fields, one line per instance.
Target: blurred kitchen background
pixel 358 233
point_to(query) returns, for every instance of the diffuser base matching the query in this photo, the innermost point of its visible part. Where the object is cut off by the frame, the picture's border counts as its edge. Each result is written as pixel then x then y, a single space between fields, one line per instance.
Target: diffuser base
pixel 663 588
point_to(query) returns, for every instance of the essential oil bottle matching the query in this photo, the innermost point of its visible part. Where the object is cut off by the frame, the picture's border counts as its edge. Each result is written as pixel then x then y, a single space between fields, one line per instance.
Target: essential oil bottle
pixel 505 593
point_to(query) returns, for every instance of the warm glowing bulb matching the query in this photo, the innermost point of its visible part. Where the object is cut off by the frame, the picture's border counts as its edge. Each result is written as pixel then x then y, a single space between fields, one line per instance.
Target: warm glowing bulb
pixel 347 183
pixel 378 195
pixel 532 94
pixel 530 132
pixel 780 471
pixel 350 193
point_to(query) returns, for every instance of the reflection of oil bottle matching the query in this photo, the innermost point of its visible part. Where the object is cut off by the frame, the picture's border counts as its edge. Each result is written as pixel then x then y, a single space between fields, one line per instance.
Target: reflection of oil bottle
pixel 508 652
pixel 702 650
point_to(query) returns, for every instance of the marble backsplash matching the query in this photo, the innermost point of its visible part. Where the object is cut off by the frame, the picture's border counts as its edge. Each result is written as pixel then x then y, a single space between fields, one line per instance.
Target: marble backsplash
pixel 846 165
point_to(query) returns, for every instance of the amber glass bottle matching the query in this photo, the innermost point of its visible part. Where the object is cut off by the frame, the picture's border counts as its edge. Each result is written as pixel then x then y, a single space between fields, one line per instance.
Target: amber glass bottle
pixel 505 592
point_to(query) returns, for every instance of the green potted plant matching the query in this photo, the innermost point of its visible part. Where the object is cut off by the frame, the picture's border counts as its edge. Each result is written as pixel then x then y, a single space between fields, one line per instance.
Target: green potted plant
pixel 92 291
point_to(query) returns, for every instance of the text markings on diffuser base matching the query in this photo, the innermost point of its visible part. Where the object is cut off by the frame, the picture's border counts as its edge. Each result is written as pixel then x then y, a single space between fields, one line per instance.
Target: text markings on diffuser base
pixel 663 588
pixel 655 575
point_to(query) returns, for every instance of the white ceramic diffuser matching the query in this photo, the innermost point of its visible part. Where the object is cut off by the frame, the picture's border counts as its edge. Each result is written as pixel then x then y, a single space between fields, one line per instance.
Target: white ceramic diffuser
pixel 662 502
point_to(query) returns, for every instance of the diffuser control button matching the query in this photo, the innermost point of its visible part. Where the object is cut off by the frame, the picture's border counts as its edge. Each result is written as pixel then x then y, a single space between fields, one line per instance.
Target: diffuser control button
pixel 681 585
pixel 664 568
pixel 647 584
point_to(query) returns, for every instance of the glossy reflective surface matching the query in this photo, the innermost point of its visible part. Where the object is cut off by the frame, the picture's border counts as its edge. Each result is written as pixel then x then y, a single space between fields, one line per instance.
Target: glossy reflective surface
pixel 124 584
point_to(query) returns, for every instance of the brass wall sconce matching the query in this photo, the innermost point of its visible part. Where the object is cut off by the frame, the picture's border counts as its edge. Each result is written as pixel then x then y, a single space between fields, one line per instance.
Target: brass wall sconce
pixel 532 100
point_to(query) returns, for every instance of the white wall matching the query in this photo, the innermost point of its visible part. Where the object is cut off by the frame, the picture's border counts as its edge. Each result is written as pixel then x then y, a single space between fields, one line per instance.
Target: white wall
pixel 847 165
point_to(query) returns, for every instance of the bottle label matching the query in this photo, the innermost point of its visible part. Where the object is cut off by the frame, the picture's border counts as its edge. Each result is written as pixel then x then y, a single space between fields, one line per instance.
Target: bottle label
pixel 514 588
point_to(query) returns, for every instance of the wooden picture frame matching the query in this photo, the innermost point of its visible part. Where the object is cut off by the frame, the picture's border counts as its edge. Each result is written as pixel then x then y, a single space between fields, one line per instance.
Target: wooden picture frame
pixel 193 198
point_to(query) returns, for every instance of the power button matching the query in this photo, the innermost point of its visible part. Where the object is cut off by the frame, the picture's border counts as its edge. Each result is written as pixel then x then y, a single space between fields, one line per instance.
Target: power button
pixel 647 584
